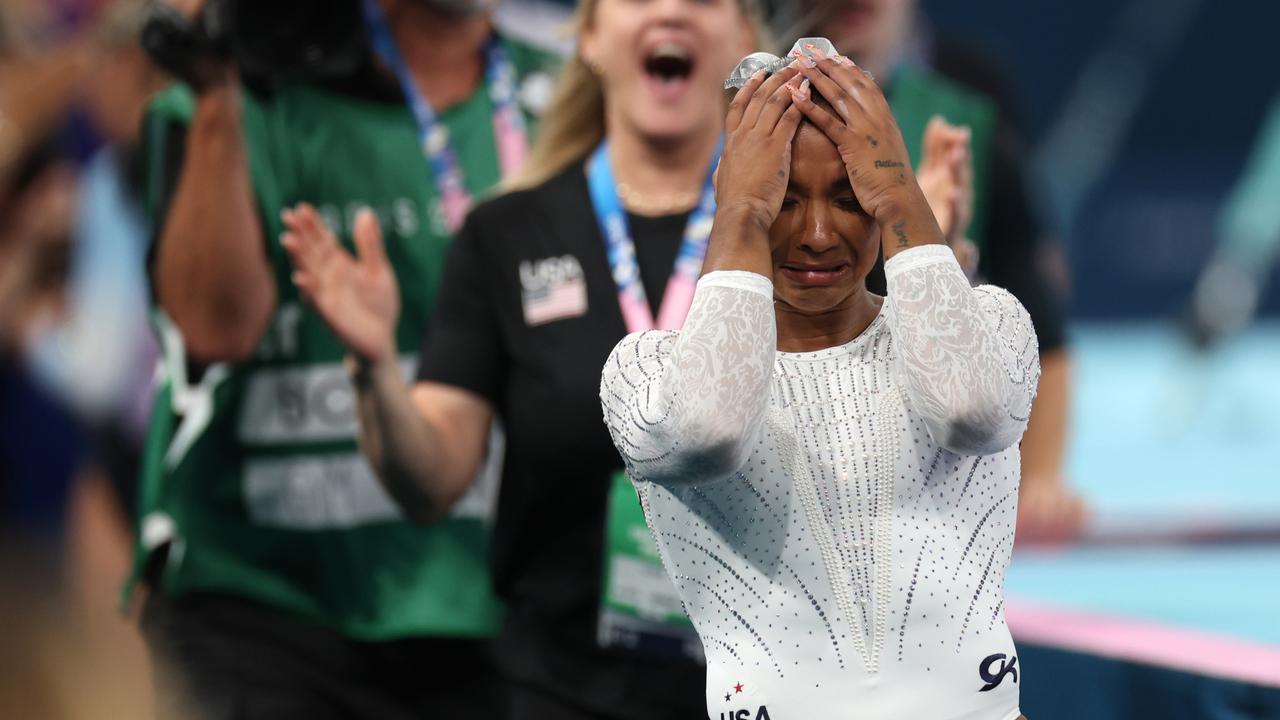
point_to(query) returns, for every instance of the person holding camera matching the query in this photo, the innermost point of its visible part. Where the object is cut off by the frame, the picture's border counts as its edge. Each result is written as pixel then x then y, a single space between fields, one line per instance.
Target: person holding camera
pixel 284 581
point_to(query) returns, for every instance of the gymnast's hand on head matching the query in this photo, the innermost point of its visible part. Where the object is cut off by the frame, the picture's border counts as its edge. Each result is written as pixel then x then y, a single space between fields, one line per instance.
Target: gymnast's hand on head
pixel 751 180
pixel 756 160
pixel 870 144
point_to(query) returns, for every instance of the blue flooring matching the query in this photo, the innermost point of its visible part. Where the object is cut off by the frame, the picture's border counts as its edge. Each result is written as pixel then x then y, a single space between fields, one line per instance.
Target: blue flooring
pixel 1160 431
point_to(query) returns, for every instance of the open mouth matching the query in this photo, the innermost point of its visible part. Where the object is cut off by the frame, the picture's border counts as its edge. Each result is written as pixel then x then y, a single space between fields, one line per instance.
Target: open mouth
pixel 669 67
pixel 806 274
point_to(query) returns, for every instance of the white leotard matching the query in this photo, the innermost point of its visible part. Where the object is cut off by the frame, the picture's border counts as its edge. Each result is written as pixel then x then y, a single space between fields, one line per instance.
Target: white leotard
pixel 837 523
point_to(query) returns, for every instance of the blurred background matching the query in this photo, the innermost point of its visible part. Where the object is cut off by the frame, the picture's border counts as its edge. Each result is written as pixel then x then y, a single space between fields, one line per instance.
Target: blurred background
pixel 1151 130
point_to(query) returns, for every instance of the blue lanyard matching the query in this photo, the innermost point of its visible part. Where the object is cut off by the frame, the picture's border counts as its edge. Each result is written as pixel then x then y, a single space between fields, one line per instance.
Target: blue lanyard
pixel 433 136
pixel 621 250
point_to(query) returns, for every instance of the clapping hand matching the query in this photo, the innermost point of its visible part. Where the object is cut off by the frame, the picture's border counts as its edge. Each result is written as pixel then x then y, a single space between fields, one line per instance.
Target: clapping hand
pixel 357 296
pixel 946 178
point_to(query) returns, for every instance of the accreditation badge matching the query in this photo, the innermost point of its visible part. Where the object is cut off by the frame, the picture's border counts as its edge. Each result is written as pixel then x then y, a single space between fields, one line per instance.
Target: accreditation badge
pixel 640 610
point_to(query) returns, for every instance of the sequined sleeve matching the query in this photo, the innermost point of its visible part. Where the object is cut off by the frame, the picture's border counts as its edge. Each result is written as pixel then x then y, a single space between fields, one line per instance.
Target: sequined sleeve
pixel 689 406
pixel 967 356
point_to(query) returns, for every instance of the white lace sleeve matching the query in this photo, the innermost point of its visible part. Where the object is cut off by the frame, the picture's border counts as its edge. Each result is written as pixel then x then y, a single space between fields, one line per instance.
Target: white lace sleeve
pixel 689 406
pixel 968 356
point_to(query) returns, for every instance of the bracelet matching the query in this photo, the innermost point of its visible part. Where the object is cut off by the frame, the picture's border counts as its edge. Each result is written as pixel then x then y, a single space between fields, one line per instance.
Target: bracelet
pixel 358 371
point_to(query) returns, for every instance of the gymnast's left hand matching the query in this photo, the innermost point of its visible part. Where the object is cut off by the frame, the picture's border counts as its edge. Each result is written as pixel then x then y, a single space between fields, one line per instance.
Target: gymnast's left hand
pixel 865 132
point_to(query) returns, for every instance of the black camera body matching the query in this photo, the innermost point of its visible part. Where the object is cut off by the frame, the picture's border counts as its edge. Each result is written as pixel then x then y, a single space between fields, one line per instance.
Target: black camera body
pixel 267 40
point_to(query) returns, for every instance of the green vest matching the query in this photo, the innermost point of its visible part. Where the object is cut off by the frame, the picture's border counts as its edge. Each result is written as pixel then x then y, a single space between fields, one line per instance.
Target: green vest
pixel 251 473
pixel 916 95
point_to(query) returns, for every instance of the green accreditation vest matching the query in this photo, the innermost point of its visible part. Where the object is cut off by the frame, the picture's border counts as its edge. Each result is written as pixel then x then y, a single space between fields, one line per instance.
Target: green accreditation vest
pixel 916 95
pixel 252 477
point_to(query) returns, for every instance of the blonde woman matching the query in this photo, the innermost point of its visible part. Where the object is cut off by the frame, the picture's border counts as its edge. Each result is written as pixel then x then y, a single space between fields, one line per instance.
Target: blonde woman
pixel 616 189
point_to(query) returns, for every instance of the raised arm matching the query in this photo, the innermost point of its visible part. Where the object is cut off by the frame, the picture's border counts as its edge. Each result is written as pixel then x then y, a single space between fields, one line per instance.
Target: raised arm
pixel 212 275
pixel 426 444
pixel 689 406
pixel 968 356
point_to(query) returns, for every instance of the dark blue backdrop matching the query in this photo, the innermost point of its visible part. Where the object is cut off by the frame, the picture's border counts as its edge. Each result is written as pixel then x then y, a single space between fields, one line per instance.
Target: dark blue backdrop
pixel 1141 235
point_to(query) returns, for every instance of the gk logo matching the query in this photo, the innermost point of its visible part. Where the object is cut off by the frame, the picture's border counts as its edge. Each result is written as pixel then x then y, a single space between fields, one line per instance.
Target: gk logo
pixel 994 679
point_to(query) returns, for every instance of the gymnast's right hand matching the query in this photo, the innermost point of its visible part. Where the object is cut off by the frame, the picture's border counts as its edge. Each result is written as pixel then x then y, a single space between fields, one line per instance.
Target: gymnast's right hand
pixel 356 296
pixel 756 161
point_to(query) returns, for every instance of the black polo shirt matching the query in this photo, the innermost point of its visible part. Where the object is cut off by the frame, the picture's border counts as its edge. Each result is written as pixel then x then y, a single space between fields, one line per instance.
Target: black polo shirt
pixel 526 317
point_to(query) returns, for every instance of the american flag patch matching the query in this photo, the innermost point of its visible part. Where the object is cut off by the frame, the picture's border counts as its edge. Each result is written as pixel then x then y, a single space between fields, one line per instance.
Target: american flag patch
pixel 552 289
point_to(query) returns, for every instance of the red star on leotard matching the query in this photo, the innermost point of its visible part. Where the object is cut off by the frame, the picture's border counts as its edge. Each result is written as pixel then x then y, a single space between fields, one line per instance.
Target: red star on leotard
pixel 737 688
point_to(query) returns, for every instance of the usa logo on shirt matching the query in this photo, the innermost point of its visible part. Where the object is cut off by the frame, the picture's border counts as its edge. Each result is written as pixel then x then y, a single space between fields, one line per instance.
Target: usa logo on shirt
pixel 552 289
pixel 734 696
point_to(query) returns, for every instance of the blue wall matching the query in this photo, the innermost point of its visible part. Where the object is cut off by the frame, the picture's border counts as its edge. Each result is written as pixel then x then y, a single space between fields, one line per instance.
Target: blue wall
pixel 1143 232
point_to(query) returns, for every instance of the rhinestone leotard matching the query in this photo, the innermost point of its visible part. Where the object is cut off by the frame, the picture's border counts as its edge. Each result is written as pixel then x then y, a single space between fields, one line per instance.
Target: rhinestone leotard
pixel 837 523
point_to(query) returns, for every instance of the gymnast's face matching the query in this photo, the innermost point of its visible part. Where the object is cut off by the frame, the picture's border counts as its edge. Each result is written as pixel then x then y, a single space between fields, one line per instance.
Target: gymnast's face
pixel 823 244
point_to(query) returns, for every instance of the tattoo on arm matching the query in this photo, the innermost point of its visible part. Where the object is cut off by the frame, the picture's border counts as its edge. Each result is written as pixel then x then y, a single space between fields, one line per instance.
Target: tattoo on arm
pixel 888 164
pixel 902 234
